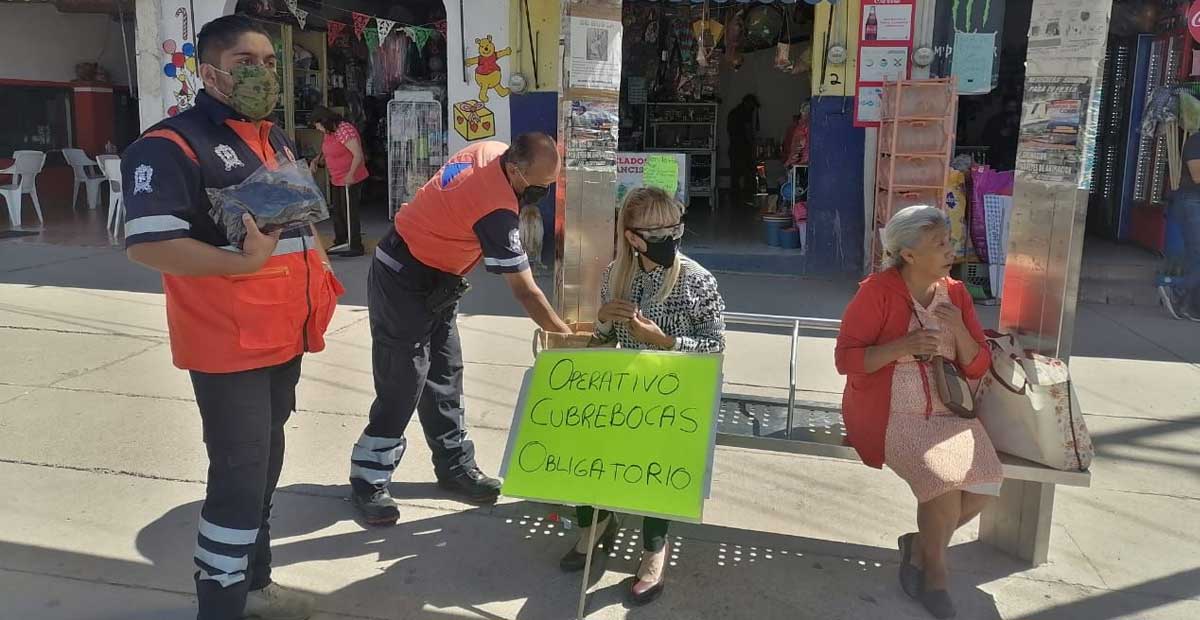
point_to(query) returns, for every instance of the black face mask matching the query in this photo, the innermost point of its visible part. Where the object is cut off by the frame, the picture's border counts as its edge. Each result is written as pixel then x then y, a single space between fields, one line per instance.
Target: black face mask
pixel 661 251
pixel 532 195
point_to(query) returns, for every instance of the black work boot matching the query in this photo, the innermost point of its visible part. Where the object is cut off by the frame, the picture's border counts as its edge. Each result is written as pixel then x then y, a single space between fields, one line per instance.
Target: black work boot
pixel 473 485
pixel 376 506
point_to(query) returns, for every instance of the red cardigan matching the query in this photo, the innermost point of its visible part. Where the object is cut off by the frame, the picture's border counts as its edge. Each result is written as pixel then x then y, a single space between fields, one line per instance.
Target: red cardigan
pixel 880 313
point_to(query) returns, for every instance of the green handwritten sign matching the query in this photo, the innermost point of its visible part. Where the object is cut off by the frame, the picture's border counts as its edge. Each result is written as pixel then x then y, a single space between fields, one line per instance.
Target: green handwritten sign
pixel 661 171
pixel 630 431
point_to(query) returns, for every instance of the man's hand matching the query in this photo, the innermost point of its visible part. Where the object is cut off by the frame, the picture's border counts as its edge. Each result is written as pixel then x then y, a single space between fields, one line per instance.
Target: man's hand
pixel 257 247
pixel 526 290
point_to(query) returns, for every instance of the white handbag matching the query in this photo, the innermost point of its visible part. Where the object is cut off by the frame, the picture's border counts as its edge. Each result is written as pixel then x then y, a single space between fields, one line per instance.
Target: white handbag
pixel 1028 406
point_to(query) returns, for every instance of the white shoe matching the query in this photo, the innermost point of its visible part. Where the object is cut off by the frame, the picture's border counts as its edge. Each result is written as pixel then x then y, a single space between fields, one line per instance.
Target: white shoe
pixel 341 247
pixel 1167 297
pixel 276 602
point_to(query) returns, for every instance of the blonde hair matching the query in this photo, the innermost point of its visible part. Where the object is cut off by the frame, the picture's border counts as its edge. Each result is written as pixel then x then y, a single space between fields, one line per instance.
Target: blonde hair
pixel 906 229
pixel 645 207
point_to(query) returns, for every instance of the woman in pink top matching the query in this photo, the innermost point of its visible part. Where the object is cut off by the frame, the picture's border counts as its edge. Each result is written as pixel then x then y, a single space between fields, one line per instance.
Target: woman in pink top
pixel 342 154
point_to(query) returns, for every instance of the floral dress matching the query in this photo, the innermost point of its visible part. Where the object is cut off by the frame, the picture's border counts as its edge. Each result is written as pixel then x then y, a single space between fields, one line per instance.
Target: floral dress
pixel 927 445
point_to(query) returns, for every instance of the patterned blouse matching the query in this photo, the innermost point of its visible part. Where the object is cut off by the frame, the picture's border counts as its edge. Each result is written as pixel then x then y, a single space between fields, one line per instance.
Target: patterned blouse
pixel 692 313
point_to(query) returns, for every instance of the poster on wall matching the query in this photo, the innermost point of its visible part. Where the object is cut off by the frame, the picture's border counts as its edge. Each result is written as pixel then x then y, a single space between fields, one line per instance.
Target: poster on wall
pixel 973 62
pixel 631 173
pixel 883 64
pixel 952 19
pixel 884 40
pixel 177 45
pixel 479 57
pixel 887 20
pixel 595 54
pixel 1052 123
pixel 1066 26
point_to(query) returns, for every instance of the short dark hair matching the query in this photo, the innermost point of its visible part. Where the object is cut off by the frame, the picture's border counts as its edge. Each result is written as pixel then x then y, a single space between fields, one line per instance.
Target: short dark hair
pixel 529 147
pixel 326 118
pixel 223 33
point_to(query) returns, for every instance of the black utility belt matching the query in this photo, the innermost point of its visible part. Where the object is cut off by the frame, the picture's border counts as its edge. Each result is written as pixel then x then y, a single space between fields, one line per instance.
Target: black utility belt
pixel 447 288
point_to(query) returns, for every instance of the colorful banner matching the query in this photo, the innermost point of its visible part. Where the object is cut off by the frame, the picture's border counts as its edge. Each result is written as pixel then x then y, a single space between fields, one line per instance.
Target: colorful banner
pixel 419 35
pixel 478 60
pixel 301 17
pixel 360 23
pixel 335 31
pixel 631 431
pixel 371 38
pixel 384 26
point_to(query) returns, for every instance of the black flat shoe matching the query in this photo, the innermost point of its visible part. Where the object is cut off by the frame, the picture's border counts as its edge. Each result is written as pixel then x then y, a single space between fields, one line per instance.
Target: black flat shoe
pixel 938 603
pixel 910 576
pixel 574 561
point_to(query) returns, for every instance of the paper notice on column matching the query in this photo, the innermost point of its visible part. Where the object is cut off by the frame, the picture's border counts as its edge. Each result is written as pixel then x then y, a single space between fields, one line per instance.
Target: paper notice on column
pixel 974 53
pixel 1067 26
pixel 595 54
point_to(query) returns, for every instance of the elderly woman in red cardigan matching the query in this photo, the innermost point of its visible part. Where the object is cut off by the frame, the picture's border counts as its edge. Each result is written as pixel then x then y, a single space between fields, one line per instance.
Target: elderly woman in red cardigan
pixel 900 318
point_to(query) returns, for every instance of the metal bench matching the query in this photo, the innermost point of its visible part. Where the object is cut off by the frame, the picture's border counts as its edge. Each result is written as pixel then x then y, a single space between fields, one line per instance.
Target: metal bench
pixel 1017 523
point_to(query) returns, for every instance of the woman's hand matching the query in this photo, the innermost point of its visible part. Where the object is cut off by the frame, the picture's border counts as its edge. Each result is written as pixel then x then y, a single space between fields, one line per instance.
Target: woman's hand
pixel 619 311
pixel 951 317
pixel 919 343
pixel 647 332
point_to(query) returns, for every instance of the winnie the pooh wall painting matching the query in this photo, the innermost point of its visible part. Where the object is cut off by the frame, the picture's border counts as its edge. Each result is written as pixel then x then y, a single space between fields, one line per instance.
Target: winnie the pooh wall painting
pixel 479 97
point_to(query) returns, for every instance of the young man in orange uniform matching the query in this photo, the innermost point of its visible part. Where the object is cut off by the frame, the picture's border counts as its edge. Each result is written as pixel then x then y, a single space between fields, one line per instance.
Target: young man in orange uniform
pixel 240 318
pixel 465 213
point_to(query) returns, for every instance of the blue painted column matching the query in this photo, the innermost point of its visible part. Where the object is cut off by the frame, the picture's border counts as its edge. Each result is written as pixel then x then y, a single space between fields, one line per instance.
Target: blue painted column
pixel 538 111
pixel 835 189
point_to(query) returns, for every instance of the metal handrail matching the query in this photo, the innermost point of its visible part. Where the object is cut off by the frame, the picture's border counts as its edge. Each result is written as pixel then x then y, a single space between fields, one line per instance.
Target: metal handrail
pixel 796 323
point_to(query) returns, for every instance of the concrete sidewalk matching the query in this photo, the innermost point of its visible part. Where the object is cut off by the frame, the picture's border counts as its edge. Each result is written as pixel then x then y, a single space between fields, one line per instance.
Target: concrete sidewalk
pixel 101 474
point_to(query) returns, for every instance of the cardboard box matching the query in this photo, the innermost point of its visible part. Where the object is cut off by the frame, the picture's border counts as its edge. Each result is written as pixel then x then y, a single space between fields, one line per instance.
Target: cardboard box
pixel 474 121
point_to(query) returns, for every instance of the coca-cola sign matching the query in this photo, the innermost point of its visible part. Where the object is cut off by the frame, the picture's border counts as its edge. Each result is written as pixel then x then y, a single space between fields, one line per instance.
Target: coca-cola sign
pixel 1193 17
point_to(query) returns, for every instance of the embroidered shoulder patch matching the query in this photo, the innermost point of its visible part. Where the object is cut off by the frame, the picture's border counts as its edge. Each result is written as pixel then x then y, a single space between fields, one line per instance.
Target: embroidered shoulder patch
pixel 142 176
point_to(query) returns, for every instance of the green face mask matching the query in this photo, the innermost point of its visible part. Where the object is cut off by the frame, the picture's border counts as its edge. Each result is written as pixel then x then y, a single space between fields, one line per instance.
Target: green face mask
pixel 255 91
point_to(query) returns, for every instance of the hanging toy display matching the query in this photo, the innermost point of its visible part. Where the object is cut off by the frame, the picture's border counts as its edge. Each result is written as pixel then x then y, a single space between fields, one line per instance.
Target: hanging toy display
pixel 734 29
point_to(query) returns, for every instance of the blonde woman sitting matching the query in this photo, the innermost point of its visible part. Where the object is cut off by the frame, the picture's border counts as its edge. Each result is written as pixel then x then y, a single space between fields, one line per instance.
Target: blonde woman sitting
pixel 654 298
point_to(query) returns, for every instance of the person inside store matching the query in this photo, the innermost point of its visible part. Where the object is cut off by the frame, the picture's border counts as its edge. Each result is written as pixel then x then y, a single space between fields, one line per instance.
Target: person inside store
pixel 1003 130
pixel 239 318
pixel 652 297
pixel 742 127
pixel 894 328
pixel 342 155
pixel 1181 298
pixel 467 212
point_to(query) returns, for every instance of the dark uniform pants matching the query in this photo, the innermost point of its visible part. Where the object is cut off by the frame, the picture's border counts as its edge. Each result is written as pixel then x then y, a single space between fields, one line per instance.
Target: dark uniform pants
pixel 243 414
pixel 344 213
pixel 416 357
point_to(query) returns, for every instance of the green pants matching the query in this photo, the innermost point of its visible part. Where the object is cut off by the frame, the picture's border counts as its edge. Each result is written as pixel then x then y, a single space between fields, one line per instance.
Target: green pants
pixel 654 531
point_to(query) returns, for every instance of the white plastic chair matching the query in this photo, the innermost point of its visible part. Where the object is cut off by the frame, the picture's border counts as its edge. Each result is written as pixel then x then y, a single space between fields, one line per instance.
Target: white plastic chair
pixel 25 168
pixel 111 165
pixel 82 166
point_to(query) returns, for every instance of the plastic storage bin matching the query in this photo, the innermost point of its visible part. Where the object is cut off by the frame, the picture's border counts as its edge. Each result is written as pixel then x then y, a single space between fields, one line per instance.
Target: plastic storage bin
pixel 917 172
pixel 925 99
pixel 913 137
pixel 903 200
